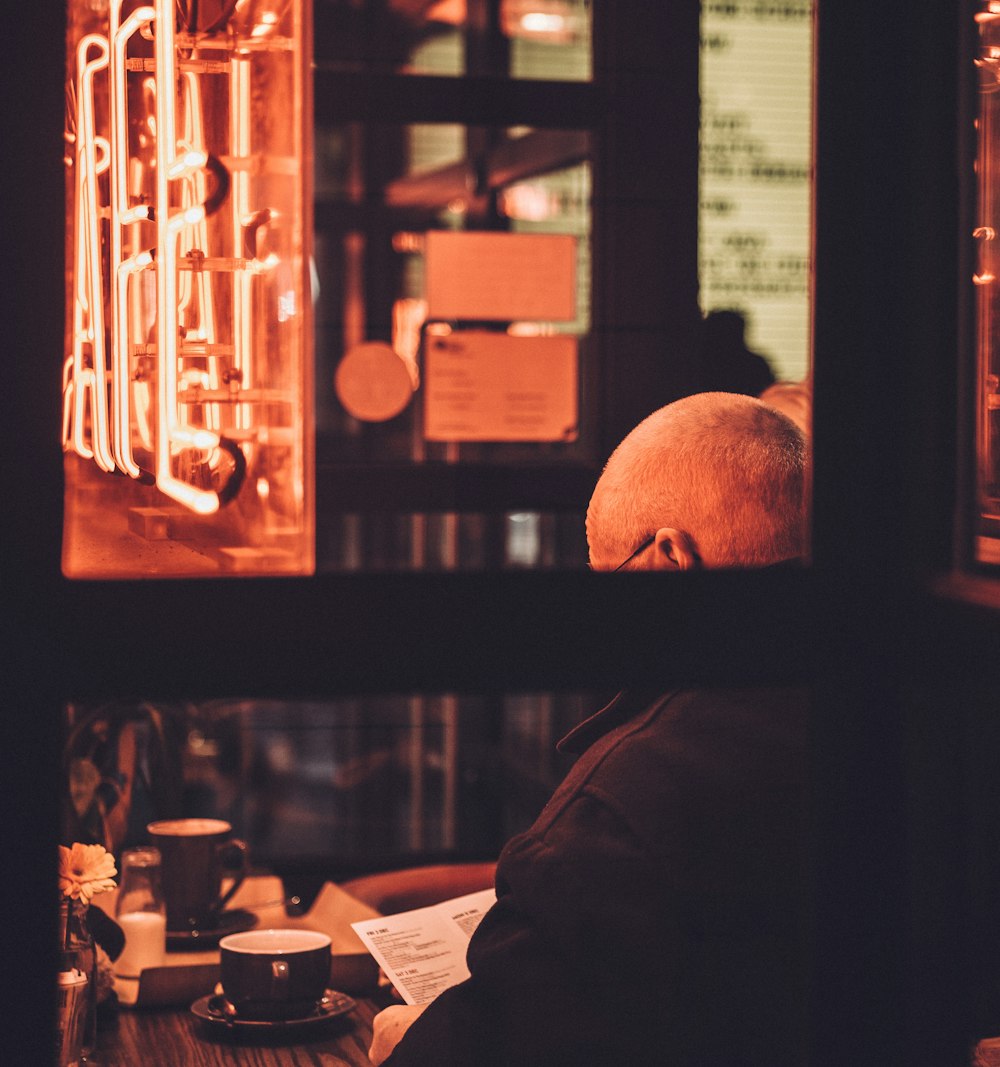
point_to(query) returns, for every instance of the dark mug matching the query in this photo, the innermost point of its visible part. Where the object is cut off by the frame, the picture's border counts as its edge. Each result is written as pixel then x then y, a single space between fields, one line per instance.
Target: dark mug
pixel 275 974
pixel 196 853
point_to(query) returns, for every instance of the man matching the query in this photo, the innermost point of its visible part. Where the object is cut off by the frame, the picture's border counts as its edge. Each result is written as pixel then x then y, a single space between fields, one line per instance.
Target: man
pixel 652 913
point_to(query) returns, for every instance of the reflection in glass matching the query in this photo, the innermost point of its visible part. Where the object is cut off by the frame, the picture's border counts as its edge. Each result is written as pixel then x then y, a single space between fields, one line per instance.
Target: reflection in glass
pixel 380 191
pixel 538 39
pixel 347 785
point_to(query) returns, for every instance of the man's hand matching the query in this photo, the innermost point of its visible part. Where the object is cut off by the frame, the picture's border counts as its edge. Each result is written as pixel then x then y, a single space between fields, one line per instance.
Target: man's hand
pixel 388 1027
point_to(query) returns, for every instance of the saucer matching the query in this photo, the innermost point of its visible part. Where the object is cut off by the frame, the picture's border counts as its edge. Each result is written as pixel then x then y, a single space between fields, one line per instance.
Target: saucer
pixel 227 922
pixel 211 1010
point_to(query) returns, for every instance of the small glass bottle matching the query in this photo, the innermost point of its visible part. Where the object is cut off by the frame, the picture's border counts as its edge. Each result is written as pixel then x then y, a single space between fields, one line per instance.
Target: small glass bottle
pixel 141 913
pixel 76 1031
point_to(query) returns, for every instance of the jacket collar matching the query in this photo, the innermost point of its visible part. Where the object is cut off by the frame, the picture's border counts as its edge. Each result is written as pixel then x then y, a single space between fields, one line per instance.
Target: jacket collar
pixel 626 705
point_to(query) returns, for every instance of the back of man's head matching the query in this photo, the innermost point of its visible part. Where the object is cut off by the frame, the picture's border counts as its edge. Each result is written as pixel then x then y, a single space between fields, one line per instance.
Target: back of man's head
pixel 725 471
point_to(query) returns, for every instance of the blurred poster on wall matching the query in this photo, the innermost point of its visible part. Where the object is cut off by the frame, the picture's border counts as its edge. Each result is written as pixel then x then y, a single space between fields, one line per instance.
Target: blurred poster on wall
pixel 483 386
pixel 500 277
pixel 756 172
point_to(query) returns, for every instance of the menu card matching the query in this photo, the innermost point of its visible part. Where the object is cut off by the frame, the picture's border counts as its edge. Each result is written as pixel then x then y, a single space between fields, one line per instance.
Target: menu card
pixel 756 172
pixel 422 952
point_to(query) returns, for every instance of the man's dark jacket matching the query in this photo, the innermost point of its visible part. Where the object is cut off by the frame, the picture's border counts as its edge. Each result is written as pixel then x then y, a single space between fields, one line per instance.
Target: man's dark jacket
pixel 653 912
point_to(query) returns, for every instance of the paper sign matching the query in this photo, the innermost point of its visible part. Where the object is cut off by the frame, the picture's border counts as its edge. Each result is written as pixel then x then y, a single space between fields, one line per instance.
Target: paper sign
pixel 481 386
pixel 504 277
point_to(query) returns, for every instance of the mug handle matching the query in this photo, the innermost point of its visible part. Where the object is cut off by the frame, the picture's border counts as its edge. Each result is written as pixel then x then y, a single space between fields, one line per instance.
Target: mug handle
pixel 241 872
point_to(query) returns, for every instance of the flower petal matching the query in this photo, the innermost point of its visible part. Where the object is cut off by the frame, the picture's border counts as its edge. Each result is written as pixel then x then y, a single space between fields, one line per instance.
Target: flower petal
pixel 85 870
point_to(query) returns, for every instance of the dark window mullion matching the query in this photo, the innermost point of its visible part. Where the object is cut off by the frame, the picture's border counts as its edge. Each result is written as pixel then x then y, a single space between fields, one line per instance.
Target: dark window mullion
pixel 350 96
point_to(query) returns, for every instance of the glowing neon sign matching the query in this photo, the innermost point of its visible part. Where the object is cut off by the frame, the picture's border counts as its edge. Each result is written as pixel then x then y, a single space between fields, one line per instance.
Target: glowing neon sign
pixel 188 351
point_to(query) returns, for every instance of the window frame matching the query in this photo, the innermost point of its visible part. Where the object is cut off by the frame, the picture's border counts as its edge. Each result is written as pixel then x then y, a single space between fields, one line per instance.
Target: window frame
pixel 864 623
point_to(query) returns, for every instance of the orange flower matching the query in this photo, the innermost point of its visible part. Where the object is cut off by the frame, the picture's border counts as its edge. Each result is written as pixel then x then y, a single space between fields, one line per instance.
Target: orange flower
pixel 85 870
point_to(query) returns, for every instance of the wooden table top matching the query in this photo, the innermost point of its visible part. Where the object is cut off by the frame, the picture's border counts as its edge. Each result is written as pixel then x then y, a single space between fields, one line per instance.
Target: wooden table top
pixel 150 1033
pixel 175 1037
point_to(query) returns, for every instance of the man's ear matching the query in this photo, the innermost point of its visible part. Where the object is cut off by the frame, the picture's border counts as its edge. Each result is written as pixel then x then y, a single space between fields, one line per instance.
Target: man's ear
pixel 673 550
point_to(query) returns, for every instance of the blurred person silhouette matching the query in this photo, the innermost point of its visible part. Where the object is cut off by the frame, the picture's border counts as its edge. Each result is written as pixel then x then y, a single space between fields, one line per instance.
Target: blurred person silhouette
pixel 725 364
pixel 653 911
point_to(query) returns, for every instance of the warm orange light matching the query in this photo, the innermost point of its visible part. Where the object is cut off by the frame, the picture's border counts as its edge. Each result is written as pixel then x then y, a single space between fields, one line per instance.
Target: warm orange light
pixel 453 12
pixel 173 168
pixel 541 22
pixel 92 159
pixel 549 21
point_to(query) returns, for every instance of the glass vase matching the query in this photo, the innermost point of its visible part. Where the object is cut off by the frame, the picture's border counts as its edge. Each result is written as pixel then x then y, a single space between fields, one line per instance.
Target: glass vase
pixel 77 985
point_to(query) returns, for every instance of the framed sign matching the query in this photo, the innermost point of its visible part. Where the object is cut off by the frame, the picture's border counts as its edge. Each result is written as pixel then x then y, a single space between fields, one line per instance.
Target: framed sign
pixel 501 277
pixel 482 386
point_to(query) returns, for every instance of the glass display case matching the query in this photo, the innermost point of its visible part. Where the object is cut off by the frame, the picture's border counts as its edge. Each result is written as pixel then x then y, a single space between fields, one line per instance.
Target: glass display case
pixel 187 400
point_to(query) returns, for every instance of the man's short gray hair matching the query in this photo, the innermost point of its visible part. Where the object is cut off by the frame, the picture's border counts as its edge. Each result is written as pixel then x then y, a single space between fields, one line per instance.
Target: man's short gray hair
pixel 726 468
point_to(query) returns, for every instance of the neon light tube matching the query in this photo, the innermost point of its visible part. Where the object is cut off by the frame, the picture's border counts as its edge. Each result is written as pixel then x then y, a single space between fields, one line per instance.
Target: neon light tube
pixel 239 137
pixel 88 169
pixel 122 214
pixel 120 391
pixel 167 228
